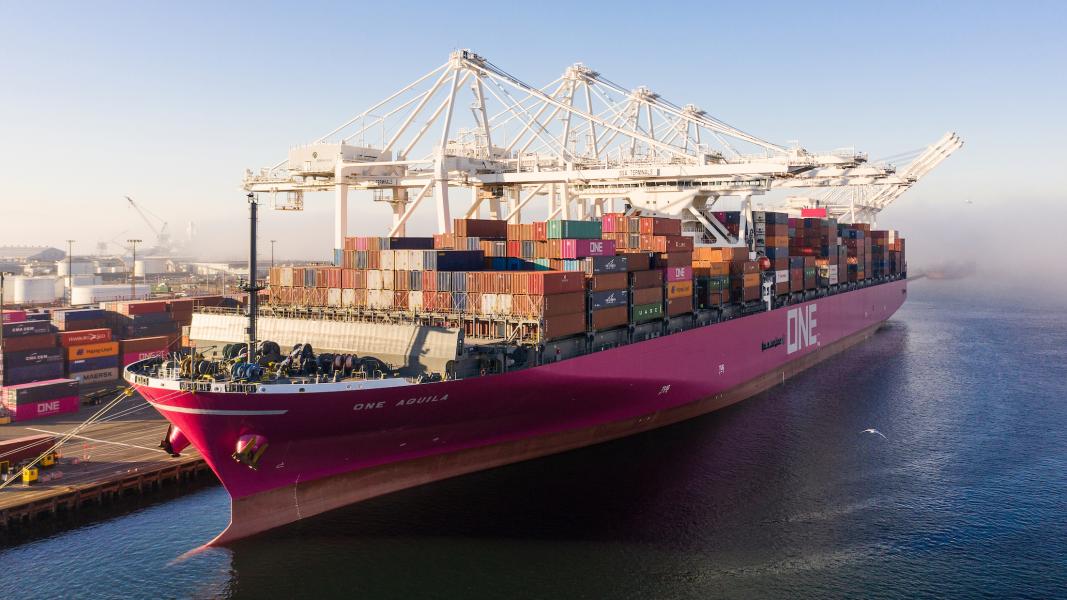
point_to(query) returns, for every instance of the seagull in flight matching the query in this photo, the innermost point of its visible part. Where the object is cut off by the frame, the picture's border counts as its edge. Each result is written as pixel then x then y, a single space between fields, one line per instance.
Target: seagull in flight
pixel 875 431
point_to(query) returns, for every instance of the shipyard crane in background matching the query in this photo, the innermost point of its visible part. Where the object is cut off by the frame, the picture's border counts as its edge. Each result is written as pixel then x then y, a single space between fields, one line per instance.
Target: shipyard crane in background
pixel 574 148
pixel 163 242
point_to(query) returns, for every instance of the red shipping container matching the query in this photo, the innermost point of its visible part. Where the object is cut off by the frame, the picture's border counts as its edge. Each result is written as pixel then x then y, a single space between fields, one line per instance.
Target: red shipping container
pixel 608 317
pixel 562 326
pixel 546 283
pixel 679 273
pixel 608 281
pixel 660 226
pixel 14 316
pixel 86 336
pixel 679 306
pixel 142 308
pixel 679 243
pixel 647 279
pixel 29 342
pixel 145 344
pixel 649 295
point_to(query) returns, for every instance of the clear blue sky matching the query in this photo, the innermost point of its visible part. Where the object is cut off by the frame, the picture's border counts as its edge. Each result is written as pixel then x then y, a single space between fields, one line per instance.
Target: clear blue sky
pixel 169 103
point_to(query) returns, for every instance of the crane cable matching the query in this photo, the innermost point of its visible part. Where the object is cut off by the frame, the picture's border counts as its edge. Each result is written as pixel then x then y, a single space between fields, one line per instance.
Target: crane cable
pixel 70 434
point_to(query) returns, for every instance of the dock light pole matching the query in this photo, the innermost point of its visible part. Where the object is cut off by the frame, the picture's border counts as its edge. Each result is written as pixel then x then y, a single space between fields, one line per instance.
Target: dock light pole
pixel 272 253
pixel 70 272
pixel 133 269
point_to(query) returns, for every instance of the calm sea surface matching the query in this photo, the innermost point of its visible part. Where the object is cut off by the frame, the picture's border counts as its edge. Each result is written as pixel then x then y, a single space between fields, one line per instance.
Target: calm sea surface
pixel 779 496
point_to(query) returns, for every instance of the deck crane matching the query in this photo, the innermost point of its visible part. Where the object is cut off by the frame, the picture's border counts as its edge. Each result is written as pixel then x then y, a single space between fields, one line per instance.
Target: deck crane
pixel 574 148
pixel 163 245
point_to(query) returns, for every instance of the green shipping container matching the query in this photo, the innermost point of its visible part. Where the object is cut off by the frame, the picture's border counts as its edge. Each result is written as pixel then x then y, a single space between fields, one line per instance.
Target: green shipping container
pixel 646 312
pixel 581 230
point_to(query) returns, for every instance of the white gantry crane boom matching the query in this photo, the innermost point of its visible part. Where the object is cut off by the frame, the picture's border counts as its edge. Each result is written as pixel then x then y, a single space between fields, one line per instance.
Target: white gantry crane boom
pixel 862 203
pixel 582 144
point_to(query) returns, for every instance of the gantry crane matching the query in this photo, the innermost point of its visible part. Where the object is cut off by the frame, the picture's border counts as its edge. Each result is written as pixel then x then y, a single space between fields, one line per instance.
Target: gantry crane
pixel 582 143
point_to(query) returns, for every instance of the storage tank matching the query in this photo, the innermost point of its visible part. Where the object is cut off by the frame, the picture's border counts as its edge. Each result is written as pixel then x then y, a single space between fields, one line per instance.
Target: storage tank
pixel 91 294
pixel 77 266
pixel 150 265
pixel 32 290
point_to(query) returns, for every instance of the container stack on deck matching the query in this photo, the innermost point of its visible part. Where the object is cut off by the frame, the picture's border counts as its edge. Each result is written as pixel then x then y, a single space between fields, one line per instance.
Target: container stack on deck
pixel 566 277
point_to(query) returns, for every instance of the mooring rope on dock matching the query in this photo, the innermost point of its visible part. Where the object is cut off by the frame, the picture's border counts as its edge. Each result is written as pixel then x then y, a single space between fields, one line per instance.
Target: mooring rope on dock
pixel 69 435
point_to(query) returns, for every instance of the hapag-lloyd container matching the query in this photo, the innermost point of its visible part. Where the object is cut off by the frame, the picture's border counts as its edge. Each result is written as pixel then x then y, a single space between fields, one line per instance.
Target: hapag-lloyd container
pixel 85 336
pixel 43 408
pixel 93 350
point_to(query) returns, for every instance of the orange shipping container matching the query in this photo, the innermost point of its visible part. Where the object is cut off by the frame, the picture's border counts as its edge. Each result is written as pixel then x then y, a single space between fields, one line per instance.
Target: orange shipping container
pixel 679 289
pixel 93 350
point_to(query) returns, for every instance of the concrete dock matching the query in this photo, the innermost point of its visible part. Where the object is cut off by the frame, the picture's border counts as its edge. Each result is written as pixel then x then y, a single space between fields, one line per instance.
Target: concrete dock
pixel 116 456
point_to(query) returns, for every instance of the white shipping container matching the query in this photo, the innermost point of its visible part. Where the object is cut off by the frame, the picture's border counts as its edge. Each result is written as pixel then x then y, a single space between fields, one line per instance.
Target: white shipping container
pixel 348 298
pixel 374 280
pixel 387 259
pixel 286 276
pixel 400 260
pixel 503 303
pixel 388 279
pixel 488 304
pixel 415 300
pixel 415 260
pixel 333 297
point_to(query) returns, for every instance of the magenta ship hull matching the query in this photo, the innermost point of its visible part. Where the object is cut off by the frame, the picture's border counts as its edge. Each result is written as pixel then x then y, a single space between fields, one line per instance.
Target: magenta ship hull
pixel 328 449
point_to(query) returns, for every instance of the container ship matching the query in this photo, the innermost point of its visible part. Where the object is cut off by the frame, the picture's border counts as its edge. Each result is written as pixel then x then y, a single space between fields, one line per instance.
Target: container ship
pixel 641 298
pixel 417 359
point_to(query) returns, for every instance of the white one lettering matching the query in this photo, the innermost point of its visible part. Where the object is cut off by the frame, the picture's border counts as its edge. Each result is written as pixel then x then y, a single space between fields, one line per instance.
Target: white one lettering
pixel 800 325
pixel 369 405
pixel 46 407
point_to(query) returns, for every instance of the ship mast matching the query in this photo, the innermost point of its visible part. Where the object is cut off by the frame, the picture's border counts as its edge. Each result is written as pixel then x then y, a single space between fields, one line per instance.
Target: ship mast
pixel 252 288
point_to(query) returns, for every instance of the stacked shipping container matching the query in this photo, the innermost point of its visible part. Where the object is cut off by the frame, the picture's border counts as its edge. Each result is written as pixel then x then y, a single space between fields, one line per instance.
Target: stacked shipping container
pixel 571 277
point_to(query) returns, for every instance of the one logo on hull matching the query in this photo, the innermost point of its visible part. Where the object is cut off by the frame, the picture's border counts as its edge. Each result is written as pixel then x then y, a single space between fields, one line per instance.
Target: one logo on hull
pixel 48 407
pixel 800 328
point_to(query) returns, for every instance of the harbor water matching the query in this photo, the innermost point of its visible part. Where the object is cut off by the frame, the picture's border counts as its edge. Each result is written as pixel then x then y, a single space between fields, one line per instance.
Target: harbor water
pixel 782 495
